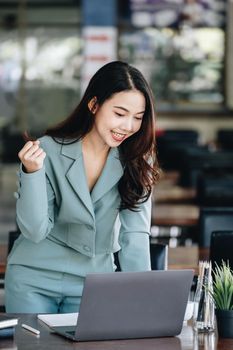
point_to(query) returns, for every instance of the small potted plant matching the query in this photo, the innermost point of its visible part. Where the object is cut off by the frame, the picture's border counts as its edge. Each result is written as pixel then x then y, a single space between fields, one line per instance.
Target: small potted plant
pixel 223 298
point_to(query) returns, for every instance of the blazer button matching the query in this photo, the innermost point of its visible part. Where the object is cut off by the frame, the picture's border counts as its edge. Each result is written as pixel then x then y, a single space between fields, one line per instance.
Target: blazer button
pixel 89 227
pixel 16 195
pixel 85 247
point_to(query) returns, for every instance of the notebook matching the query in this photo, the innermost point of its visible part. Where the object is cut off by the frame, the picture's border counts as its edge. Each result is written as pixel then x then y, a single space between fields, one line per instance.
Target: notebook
pixel 55 320
pixel 7 321
pixel 127 305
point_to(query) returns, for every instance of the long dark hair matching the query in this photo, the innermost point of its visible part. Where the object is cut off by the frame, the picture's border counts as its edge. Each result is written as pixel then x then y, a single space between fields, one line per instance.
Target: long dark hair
pixel 137 153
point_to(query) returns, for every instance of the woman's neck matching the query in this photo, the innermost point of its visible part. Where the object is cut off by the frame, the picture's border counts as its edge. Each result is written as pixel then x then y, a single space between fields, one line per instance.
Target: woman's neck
pixel 91 144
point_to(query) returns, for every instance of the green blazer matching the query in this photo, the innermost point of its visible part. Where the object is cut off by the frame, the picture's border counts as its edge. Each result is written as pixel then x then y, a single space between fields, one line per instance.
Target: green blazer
pixel 65 227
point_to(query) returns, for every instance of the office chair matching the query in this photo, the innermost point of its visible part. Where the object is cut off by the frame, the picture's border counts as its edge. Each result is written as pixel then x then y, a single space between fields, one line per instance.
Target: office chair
pixel 12 141
pixel 221 247
pixel 215 188
pixel 213 219
pixel 194 161
pixel 12 236
pixel 225 139
pixel 2 306
pixel 171 141
pixel 158 254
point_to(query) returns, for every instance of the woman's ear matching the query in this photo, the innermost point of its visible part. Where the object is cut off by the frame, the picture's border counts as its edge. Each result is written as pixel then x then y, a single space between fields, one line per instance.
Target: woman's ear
pixel 93 105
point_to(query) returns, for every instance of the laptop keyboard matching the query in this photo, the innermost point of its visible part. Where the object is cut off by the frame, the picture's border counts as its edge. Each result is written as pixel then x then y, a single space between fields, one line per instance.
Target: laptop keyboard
pixel 70 332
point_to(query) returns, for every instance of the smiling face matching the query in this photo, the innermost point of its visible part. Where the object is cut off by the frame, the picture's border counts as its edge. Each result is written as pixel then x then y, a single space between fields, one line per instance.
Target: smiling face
pixel 118 118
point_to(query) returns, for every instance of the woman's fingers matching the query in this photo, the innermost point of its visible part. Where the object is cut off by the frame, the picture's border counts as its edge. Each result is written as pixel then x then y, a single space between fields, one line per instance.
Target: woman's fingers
pixel 36 154
pixel 27 148
pixel 30 153
pixel 32 156
pixel 36 161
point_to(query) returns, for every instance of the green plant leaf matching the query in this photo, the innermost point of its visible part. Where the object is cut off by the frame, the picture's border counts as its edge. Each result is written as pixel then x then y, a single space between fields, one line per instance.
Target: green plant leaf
pixel 223 287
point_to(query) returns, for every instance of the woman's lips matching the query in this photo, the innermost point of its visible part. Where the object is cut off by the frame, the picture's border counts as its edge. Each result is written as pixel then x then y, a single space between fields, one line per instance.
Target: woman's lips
pixel 117 136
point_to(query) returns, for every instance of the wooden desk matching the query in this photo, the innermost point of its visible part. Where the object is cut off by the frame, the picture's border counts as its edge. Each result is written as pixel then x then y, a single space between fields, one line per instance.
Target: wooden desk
pixel 3 256
pixel 186 257
pixel 168 190
pixel 175 215
pixel 173 205
pixel 187 340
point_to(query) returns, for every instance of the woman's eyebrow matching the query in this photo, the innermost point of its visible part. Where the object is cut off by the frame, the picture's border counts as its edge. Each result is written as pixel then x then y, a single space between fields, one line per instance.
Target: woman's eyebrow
pixel 126 110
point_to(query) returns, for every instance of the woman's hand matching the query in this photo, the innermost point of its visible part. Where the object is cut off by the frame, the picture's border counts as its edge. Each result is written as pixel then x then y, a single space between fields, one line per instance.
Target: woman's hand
pixel 32 156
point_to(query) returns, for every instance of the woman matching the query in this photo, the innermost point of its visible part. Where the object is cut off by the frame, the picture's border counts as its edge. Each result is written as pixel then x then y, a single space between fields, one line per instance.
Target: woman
pixel 96 166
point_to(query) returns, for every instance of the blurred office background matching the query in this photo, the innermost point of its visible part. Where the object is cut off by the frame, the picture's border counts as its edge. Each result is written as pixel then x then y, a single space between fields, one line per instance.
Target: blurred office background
pixel 50 48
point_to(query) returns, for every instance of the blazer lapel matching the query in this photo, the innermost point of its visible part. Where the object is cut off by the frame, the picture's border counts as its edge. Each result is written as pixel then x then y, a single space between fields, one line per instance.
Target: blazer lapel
pixel 110 175
pixel 76 174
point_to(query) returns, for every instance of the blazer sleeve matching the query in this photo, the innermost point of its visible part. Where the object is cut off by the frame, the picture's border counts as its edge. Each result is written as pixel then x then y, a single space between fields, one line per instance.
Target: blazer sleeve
pixel 134 238
pixel 35 205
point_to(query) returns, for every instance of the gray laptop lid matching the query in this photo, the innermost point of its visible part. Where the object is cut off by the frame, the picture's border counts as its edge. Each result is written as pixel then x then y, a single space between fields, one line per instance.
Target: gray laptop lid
pixel 124 305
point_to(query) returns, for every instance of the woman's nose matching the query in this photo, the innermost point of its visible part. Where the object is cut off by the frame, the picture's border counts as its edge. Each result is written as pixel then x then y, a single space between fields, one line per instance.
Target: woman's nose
pixel 128 124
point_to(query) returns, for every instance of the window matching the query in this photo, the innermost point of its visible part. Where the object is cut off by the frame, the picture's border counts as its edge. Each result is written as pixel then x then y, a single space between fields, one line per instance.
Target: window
pixel 40 57
pixel 180 47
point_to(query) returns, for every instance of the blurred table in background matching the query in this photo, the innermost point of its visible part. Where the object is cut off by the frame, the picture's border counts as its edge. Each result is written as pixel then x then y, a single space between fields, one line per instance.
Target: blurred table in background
pixel 169 191
pixel 175 213
pixel 186 257
pixel 3 257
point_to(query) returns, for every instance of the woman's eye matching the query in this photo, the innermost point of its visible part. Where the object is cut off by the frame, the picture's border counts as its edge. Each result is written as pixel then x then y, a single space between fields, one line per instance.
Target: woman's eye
pixel 119 115
pixel 138 118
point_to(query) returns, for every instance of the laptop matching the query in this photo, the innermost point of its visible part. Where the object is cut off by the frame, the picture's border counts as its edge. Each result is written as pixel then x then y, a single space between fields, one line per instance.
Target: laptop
pixel 127 305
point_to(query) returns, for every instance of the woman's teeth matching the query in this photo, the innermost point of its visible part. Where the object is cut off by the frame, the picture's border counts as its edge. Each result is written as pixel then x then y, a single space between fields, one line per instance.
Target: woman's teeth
pixel 118 136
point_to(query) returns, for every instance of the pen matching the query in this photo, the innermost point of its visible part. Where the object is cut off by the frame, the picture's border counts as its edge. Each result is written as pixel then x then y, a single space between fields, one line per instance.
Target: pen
pixel 29 328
